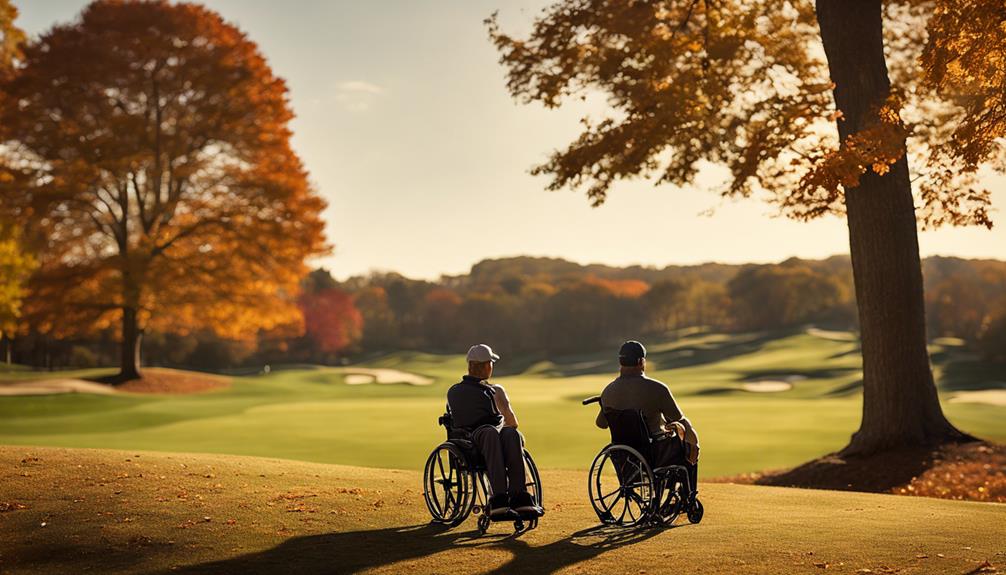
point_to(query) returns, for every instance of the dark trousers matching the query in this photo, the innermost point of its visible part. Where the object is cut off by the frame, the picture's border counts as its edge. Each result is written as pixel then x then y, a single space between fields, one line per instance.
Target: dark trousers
pixel 503 451
pixel 672 451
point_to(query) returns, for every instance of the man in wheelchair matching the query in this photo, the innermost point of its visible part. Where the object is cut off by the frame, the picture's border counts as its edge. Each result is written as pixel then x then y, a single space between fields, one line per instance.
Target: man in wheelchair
pixel 483 410
pixel 674 441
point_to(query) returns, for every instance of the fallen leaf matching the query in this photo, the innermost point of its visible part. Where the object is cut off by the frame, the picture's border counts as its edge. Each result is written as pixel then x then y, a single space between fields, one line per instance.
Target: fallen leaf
pixel 11 506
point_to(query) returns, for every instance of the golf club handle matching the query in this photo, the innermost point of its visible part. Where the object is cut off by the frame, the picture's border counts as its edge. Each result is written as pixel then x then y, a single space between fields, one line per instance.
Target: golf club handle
pixel 589 400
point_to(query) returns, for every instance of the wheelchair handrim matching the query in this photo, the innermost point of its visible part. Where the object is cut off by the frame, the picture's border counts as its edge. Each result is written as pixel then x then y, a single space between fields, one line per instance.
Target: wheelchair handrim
pixel 533 479
pixel 642 489
pixel 456 504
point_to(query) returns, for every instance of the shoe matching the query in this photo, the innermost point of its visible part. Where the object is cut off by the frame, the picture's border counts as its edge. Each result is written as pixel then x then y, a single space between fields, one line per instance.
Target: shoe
pixel 499 507
pixel 523 503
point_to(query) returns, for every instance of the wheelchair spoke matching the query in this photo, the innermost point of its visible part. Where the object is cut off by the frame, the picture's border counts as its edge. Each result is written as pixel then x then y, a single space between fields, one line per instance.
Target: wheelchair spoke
pixel 629 508
pixel 448 500
pixel 639 502
pixel 615 492
pixel 446 483
pixel 440 464
pixel 625 507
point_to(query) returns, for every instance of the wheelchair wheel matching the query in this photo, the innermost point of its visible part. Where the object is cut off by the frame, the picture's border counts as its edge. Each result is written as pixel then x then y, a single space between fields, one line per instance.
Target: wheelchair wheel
pixel 622 488
pixel 533 484
pixel 673 493
pixel 448 485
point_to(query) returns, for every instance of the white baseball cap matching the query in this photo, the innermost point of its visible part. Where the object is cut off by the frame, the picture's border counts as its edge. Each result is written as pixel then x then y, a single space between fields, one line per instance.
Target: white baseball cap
pixel 481 353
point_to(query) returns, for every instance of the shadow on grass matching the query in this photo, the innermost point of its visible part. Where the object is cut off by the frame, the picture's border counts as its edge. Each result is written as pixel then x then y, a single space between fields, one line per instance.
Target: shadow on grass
pixel 847 389
pixel 678 356
pixel 972 374
pixel 358 550
pixel 785 374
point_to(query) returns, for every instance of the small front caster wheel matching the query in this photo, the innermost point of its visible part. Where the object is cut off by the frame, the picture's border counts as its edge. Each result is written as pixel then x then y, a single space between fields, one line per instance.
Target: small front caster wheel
pixel 695 512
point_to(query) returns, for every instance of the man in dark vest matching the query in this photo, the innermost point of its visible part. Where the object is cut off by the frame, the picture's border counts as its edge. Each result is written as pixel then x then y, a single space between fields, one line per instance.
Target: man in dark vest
pixel 483 409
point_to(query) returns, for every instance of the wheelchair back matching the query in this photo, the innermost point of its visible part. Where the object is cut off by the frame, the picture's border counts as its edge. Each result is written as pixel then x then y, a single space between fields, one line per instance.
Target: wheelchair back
pixel 463 439
pixel 628 427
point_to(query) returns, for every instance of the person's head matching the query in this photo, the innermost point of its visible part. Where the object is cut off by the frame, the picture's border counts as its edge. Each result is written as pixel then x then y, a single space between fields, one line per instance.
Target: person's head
pixel 480 369
pixel 480 361
pixel 632 357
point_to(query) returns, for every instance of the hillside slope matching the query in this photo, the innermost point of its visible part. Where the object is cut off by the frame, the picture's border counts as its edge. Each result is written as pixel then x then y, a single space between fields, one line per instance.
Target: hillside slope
pixel 77 510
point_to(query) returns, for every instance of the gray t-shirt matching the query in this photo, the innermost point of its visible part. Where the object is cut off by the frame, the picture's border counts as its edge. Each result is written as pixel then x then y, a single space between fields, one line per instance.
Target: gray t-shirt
pixel 647 395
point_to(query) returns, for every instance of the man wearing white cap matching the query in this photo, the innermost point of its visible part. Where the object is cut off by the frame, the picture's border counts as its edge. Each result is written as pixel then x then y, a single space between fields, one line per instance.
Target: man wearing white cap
pixel 483 409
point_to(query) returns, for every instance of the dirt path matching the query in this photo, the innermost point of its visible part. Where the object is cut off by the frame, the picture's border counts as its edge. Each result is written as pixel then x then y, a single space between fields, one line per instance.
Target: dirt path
pixel 55 386
pixel 73 511
pixel 154 380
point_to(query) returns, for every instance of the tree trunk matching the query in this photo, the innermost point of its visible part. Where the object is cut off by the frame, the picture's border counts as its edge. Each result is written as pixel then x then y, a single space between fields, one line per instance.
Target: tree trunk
pixel 7 341
pixel 129 365
pixel 900 406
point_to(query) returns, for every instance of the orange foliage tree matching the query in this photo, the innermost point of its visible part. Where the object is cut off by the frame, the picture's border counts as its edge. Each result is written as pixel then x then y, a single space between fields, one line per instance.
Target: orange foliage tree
pixel 146 149
pixel 798 102
pixel 11 37
pixel 331 319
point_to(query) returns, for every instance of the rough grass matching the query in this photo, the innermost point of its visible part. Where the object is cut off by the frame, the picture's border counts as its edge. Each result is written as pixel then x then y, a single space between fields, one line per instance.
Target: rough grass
pixel 307 413
pixel 77 511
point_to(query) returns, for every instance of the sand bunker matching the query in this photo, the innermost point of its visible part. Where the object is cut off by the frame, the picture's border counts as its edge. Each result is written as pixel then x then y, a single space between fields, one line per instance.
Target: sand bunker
pixel 363 376
pixel 773 384
pixel 995 397
pixel 832 335
pixel 55 386
pixel 767 386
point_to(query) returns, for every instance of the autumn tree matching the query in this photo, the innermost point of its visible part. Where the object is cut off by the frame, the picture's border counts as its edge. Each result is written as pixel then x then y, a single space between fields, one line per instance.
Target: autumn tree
pixel 15 266
pixel 380 331
pixel 774 296
pixel 11 37
pixel 440 322
pixel 796 101
pixel 664 305
pixel 331 320
pixel 146 149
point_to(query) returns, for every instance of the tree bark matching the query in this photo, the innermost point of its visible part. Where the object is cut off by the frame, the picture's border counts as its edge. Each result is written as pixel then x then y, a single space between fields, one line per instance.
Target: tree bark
pixel 129 365
pixel 900 406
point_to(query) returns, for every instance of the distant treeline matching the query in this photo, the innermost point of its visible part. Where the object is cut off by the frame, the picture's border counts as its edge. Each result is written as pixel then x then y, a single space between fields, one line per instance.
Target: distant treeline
pixel 552 306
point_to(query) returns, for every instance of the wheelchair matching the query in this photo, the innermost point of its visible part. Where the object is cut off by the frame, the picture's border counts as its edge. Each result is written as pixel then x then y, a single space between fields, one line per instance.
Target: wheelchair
pixel 624 487
pixel 455 483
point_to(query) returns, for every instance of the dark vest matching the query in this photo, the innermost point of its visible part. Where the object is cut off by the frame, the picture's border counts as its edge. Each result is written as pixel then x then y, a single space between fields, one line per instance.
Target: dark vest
pixel 471 404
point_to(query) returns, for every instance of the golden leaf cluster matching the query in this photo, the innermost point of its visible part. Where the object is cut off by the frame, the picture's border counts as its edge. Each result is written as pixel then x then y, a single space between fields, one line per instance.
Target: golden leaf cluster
pixel 743 84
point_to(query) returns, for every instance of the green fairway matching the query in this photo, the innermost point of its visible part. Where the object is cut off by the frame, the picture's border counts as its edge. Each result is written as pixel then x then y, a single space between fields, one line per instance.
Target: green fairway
pixel 309 413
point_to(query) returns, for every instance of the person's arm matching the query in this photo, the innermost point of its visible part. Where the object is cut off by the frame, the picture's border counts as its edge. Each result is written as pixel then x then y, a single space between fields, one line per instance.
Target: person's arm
pixel 676 419
pixel 503 405
pixel 672 414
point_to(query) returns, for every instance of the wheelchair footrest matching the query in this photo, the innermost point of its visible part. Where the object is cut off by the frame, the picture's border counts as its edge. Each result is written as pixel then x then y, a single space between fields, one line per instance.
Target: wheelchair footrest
pixel 513 516
pixel 539 512
pixel 669 469
pixel 508 516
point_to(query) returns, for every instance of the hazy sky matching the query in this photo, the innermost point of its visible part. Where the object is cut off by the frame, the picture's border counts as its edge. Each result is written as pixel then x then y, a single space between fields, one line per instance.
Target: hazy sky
pixel 408 132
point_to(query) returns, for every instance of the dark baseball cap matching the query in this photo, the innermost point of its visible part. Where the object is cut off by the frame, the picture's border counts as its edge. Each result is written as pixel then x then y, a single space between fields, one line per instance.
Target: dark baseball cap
pixel 631 351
